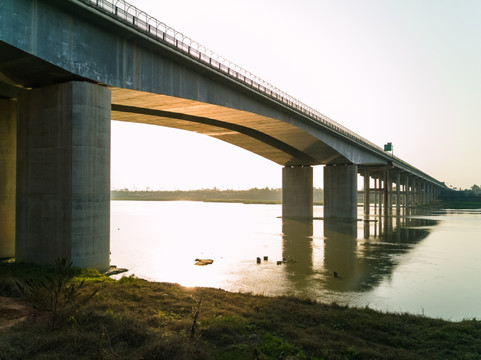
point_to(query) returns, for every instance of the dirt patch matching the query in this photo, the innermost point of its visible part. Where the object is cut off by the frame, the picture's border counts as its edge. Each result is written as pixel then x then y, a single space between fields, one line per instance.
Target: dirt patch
pixel 12 311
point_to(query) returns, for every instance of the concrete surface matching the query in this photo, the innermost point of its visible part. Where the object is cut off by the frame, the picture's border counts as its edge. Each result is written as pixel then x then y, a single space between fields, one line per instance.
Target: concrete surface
pixel 8 159
pixel 63 175
pixel 297 192
pixel 340 192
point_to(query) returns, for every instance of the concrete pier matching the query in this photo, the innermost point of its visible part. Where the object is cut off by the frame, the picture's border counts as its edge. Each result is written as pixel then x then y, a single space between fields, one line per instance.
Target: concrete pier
pixel 8 159
pixel 398 193
pixel 297 192
pixel 424 198
pixel 408 195
pixel 387 193
pixel 414 192
pixel 63 175
pixel 367 195
pixel 340 192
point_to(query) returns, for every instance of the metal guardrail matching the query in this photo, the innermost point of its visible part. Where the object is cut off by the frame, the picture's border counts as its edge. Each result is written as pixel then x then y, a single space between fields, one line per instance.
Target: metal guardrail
pixel 150 26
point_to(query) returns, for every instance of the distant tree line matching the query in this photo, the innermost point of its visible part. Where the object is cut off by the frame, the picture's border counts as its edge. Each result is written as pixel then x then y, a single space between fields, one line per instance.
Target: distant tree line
pixel 469 196
pixel 254 195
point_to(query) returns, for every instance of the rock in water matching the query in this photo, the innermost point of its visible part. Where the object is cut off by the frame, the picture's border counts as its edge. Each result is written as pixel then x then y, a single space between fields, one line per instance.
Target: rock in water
pixel 202 262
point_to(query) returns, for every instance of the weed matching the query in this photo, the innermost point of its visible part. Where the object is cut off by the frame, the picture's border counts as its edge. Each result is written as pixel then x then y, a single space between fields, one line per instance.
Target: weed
pixel 55 291
pixel 104 348
pixel 195 318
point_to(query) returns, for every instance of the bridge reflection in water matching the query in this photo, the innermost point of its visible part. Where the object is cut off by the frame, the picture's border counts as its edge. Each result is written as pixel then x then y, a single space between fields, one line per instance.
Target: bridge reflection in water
pixel 345 255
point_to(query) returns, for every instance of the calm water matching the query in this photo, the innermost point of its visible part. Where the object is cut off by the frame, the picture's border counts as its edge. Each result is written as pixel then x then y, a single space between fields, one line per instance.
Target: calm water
pixel 424 264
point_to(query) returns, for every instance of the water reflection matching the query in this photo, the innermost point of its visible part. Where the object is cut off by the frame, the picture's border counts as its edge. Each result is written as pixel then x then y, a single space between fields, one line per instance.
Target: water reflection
pixel 379 254
pixel 297 251
pixel 340 255
pixel 394 263
pixel 350 262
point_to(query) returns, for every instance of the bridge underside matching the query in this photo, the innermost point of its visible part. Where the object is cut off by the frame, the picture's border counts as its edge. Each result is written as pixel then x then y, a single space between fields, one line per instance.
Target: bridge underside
pixel 280 142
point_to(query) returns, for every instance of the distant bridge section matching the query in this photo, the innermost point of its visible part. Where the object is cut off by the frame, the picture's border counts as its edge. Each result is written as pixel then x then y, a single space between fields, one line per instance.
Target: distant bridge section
pixel 69 66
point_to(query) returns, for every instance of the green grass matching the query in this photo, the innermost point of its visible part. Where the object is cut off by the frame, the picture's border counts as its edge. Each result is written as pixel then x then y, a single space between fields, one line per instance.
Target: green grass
pixel 136 319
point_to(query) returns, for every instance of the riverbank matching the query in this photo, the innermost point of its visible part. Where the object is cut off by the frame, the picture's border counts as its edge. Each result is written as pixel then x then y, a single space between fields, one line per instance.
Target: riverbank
pixel 250 196
pixel 448 200
pixel 135 319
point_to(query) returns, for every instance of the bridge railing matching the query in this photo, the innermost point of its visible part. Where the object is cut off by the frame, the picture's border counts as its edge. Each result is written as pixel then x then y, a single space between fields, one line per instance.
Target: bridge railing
pixel 140 20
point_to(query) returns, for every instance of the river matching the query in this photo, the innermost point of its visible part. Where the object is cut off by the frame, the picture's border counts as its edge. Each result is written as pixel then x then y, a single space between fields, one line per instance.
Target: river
pixel 427 264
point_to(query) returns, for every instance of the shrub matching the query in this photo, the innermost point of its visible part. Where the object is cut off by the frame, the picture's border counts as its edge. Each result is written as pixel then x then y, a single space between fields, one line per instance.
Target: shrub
pixel 55 291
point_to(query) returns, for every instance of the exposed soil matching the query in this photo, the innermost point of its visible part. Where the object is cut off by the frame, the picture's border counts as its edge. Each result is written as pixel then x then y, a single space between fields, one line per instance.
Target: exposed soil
pixel 12 311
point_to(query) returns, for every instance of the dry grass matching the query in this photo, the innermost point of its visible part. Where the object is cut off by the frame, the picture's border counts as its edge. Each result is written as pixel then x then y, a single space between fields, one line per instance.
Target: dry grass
pixel 136 319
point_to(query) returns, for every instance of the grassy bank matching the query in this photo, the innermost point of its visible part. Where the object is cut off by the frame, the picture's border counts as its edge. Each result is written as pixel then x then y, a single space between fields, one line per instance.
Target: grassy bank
pixel 136 319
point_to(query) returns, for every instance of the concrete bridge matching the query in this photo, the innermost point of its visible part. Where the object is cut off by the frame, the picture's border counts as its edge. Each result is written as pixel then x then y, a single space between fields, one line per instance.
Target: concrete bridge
pixel 67 67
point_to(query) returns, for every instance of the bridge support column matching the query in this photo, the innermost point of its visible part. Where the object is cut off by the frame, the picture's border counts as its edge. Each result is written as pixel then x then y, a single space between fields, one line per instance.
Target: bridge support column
pixel 367 195
pixel 63 175
pixel 8 159
pixel 414 192
pixel 340 192
pixel 418 193
pixel 297 192
pixel 424 192
pixel 387 193
pixel 408 195
pixel 398 194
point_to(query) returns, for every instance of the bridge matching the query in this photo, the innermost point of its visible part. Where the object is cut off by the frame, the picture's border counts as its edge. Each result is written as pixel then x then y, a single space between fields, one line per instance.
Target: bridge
pixel 67 67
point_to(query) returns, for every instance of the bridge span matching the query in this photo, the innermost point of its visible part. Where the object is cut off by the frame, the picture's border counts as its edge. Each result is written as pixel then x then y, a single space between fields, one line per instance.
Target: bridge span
pixel 67 67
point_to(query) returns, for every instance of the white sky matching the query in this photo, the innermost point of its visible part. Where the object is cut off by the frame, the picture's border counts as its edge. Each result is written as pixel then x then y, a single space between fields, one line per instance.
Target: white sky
pixel 404 71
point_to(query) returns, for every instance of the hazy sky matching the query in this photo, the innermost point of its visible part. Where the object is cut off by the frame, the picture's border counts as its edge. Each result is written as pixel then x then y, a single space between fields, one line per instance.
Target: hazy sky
pixel 405 71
